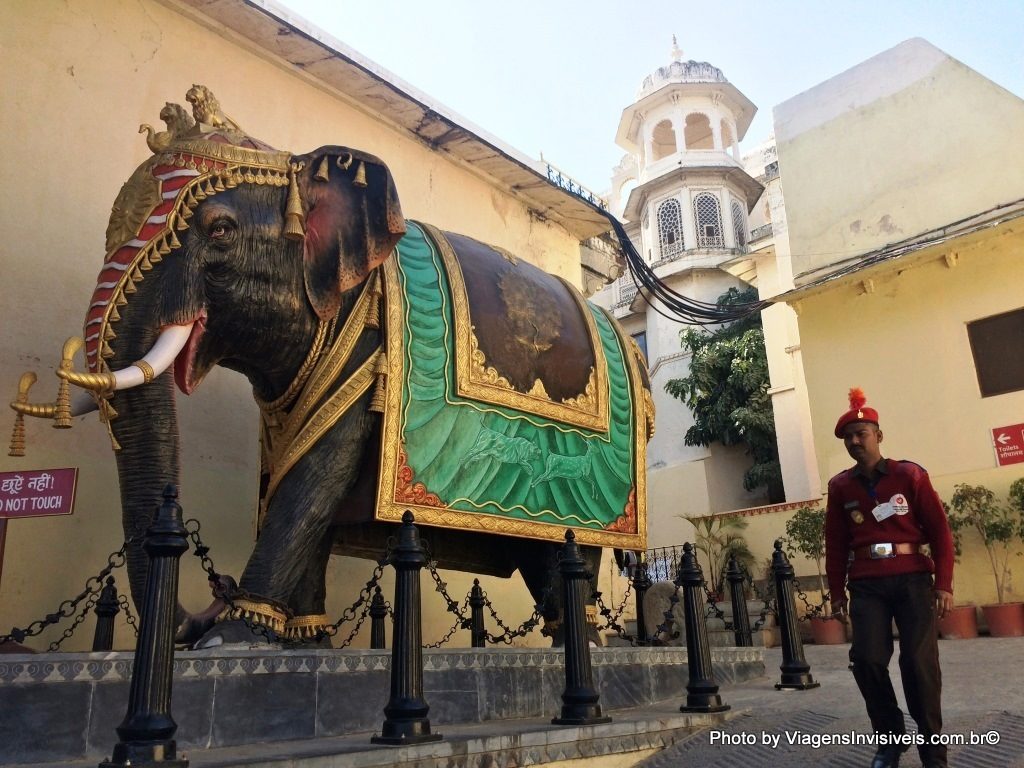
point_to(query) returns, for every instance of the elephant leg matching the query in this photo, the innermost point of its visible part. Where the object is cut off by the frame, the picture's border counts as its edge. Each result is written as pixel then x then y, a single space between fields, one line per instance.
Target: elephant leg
pixel 290 556
pixel 538 564
pixel 310 595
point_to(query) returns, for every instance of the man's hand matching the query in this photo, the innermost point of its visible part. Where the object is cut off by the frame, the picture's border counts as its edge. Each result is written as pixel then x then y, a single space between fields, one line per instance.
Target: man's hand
pixel 943 603
pixel 839 609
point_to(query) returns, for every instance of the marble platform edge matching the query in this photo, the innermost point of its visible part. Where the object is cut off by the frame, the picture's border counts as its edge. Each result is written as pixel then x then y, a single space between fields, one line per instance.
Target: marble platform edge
pixel 117 665
pixel 523 743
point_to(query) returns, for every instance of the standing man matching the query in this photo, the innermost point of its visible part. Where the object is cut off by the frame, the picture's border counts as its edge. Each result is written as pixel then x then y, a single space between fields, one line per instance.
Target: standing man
pixel 880 512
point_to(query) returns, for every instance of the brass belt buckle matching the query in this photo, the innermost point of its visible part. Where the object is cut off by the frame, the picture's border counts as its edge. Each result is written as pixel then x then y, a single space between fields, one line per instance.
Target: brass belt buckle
pixel 881 551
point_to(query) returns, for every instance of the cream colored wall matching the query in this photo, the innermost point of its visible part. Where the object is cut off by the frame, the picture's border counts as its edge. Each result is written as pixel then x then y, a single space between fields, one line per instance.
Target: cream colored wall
pixel 79 77
pixel 906 345
pixel 905 142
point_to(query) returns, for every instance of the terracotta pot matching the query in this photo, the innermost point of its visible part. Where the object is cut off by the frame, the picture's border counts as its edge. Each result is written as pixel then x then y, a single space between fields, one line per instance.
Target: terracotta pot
pixel 1004 619
pixel 827 631
pixel 960 624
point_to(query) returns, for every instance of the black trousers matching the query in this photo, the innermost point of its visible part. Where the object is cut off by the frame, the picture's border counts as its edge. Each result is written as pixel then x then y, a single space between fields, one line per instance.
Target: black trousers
pixel 874 603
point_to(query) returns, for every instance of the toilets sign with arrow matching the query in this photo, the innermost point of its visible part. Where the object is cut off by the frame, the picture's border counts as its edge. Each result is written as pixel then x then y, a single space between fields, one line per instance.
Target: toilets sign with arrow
pixel 1009 444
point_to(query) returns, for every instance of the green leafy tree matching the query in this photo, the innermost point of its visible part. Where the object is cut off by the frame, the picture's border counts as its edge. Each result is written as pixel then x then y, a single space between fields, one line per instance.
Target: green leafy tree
pixel 974 507
pixel 727 391
pixel 805 530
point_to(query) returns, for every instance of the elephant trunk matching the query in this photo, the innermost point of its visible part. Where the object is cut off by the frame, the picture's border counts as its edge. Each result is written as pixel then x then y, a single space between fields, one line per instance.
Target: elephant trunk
pixel 146 428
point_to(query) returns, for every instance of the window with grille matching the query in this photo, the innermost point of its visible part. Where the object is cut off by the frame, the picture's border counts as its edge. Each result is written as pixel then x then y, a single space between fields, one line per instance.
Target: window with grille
pixel 670 228
pixel 997 344
pixel 707 214
pixel 739 229
pixel 626 289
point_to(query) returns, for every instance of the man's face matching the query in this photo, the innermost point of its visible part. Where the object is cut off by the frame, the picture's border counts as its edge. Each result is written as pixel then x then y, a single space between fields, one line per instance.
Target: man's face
pixel 861 439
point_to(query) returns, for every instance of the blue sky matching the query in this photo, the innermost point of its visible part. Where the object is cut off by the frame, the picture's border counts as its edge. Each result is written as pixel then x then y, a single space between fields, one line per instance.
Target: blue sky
pixel 554 77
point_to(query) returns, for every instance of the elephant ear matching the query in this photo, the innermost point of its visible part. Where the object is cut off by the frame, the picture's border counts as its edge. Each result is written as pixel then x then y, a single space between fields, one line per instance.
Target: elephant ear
pixel 350 221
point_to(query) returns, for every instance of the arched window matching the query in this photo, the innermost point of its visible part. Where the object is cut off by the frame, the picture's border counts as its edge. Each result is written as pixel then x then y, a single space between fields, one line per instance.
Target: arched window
pixel 663 140
pixel 670 228
pixel 707 214
pixel 727 137
pixel 739 228
pixel 698 132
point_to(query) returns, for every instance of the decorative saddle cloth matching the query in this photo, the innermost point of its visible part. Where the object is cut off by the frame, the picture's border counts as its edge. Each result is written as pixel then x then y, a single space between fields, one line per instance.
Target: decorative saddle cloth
pixel 512 405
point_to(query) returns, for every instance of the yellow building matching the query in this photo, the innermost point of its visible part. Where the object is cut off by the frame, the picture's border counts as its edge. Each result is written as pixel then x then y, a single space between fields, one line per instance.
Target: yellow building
pixel 79 78
pixel 903 253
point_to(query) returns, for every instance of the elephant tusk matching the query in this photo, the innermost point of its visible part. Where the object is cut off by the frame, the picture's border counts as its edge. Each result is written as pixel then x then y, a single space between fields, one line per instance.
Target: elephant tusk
pixel 171 341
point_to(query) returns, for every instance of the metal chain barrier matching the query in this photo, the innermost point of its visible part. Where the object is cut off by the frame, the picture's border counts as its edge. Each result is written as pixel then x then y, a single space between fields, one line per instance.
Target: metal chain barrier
pixel 810 611
pixel 124 605
pixel 612 617
pixel 508 635
pixel 68 608
pixel 69 631
pixel 202 552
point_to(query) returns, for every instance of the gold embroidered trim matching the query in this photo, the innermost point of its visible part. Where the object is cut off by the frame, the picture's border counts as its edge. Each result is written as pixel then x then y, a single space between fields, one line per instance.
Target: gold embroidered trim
pixel 319 423
pixel 315 350
pixel 257 612
pixel 478 381
pixel 306 627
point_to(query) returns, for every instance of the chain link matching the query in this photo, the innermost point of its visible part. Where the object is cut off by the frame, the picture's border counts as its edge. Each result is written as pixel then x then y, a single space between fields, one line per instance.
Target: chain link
pixel 67 609
pixel 612 617
pixel 202 552
pixel 122 602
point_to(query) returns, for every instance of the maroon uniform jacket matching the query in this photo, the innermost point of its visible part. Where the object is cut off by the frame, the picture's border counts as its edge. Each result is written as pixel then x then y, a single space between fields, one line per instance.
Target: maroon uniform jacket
pixel 919 519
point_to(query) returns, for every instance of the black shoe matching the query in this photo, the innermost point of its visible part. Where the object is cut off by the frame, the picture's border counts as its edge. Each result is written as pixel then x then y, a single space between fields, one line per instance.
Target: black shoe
pixel 888 756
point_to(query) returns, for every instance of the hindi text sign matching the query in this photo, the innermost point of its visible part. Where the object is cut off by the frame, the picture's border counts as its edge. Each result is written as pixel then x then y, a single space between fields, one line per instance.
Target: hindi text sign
pixel 37 492
pixel 1009 444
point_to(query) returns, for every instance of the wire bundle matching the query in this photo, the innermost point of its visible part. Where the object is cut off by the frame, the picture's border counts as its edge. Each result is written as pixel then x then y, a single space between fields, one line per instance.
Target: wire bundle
pixel 673 305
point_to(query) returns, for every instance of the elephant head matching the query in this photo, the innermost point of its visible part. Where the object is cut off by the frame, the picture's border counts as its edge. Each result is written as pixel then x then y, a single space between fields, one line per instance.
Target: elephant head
pixel 221 251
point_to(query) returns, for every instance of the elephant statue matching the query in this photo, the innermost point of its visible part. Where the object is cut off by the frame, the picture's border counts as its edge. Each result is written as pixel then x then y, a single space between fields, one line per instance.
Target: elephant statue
pixel 301 273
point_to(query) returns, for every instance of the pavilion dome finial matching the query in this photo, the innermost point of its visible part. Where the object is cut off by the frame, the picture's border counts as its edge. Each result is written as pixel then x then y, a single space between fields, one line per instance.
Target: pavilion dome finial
pixel 676 54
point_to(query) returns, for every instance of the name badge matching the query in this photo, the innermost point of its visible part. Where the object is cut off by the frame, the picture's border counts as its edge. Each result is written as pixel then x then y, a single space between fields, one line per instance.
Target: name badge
pixel 899 503
pixel 883 511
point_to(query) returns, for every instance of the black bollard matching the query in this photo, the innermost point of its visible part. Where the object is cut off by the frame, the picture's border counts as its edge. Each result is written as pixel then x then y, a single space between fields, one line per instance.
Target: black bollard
pixel 378 612
pixel 147 729
pixel 796 672
pixel 477 601
pixel 701 690
pixel 580 700
pixel 740 618
pixel 405 715
pixel 106 609
pixel 641 583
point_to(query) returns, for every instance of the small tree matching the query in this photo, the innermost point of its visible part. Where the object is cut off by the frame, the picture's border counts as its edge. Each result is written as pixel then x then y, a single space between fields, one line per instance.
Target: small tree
pixel 805 530
pixel 974 507
pixel 727 391
pixel 718 538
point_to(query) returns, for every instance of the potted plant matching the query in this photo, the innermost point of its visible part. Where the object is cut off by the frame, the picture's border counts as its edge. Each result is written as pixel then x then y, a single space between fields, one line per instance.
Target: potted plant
pixel 805 531
pixel 719 537
pixel 974 507
pixel 961 623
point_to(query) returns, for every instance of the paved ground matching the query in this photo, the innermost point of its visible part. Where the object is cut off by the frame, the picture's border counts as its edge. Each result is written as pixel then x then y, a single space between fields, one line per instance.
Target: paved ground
pixel 983 693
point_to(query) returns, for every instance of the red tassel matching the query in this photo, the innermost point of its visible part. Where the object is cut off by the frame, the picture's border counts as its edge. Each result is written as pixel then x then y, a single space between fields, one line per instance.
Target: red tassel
pixel 857 398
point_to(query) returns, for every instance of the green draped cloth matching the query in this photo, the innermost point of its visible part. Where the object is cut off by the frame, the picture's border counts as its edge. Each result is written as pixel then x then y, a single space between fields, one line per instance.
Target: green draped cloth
pixel 464 463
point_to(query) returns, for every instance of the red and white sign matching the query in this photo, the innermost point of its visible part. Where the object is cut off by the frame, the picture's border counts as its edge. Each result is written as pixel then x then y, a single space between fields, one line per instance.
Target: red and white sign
pixel 37 492
pixel 1009 444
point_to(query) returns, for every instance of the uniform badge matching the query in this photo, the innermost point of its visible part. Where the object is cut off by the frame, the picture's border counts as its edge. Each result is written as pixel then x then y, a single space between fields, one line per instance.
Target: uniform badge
pixel 857 516
pixel 900 506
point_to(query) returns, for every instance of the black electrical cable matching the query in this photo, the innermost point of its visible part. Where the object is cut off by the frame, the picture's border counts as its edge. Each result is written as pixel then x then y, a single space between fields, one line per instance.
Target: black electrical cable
pixel 677 307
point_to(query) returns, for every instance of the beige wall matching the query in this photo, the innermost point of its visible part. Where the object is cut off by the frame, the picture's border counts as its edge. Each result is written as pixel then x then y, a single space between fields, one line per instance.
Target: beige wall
pixel 905 142
pixel 906 345
pixel 79 78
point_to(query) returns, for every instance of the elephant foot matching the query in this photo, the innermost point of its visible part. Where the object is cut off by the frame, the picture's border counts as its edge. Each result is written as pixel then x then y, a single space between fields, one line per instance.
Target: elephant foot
pixel 235 633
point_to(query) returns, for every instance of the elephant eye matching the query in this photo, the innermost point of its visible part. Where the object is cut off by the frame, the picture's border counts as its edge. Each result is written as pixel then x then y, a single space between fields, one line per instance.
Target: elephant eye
pixel 222 231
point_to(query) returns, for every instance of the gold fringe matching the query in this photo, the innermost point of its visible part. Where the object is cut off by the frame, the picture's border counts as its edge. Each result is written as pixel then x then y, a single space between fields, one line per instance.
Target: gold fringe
pixel 294 217
pixel 323 172
pixel 257 612
pixel 373 311
pixel 380 370
pixel 360 178
pixel 306 627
